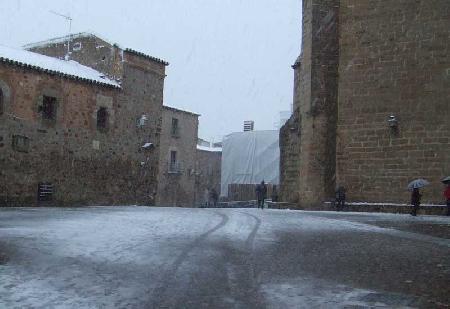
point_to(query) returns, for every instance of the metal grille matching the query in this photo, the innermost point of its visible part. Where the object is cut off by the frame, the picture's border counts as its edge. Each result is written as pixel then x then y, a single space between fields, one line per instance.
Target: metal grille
pixel 45 192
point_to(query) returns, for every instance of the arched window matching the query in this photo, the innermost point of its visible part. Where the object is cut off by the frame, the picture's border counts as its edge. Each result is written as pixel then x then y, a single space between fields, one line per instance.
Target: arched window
pixel 1 102
pixel 102 118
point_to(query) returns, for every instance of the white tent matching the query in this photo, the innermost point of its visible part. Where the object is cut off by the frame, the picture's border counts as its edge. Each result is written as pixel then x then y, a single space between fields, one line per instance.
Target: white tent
pixel 250 157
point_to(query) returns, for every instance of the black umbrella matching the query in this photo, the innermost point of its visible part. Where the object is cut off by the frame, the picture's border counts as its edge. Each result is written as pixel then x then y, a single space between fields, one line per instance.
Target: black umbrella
pixel 446 180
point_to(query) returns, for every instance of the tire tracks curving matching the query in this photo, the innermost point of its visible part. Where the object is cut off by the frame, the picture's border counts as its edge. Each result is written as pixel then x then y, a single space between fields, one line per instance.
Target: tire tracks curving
pixel 249 247
pixel 160 297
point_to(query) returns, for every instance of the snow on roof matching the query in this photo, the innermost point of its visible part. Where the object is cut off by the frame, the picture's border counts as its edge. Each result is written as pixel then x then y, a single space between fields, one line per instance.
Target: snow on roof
pixel 64 39
pixel 180 110
pixel 90 34
pixel 69 69
pixel 212 149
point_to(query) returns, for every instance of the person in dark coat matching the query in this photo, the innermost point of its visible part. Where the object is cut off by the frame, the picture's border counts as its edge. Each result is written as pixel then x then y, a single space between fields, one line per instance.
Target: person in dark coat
pixel 261 194
pixel 214 196
pixel 447 196
pixel 415 201
pixel 340 198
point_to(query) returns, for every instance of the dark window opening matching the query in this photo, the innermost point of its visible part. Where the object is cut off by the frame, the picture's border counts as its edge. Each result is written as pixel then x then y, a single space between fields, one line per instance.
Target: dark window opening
pixel 45 192
pixel 174 166
pixel 1 102
pixel 102 118
pixel 174 127
pixel 20 143
pixel 49 108
pixel 173 157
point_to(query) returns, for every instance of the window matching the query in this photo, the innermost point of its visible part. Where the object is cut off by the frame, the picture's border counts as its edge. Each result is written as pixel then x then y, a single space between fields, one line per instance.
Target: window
pixel 48 108
pixel 174 165
pixel 174 127
pixel 102 118
pixel 20 143
pixel 1 102
pixel 173 157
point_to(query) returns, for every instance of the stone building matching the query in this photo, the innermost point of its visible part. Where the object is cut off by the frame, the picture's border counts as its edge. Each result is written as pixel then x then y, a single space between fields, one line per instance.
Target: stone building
pixel 176 179
pixel 207 172
pixel 85 131
pixel 371 101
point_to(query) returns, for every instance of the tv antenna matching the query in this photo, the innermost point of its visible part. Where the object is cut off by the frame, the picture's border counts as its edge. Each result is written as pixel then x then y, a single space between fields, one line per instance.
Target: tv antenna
pixel 69 19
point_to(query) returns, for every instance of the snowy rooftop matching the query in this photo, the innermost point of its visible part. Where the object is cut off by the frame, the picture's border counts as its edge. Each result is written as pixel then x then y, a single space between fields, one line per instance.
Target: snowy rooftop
pixel 69 69
pixel 89 34
pixel 180 110
pixel 212 149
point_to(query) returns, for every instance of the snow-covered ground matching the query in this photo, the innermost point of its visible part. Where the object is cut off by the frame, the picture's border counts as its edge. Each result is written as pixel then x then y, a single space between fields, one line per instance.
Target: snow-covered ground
pixel 143 257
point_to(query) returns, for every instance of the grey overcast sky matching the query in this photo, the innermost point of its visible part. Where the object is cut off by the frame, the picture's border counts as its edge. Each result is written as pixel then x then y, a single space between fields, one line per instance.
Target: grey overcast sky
pixel 229 59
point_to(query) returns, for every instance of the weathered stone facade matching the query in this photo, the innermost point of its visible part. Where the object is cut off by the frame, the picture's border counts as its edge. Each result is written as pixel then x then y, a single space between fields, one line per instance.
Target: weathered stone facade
pixel 361 62
pixel 85 164
pixel 176 181
pixel 207 173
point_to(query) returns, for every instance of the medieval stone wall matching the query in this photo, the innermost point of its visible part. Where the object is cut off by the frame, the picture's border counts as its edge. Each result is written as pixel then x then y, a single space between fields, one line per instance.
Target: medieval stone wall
pixel 86 166
pixel 315 98
pixel 289 160
pixel 394 60
pixel 361 62
pixel 176 185
pixel 88 50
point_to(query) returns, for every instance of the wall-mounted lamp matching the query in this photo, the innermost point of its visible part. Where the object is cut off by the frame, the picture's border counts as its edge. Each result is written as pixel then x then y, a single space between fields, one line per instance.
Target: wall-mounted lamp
pixel 393 122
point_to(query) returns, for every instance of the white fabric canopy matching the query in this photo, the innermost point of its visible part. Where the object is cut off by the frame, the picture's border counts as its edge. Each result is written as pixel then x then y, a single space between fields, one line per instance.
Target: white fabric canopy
pixel 250 157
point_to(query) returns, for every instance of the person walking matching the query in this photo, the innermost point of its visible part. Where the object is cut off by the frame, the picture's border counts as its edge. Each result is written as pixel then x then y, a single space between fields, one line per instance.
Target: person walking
pixel 206 198
pixel 340 198
pixel 261 194
pixel 214 197
pixel 447 196
pixel 415 201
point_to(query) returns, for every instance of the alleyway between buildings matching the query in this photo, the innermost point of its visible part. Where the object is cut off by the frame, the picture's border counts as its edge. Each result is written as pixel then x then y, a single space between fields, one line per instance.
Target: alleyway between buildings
pixel 142 257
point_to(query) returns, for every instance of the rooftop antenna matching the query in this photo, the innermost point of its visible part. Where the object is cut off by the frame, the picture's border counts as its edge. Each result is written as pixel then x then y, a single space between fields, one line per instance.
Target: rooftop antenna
pixel 69 19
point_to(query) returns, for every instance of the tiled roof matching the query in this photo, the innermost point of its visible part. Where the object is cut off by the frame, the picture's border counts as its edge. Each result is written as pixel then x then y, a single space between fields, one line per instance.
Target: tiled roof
pixel 134 52
pixel 180 110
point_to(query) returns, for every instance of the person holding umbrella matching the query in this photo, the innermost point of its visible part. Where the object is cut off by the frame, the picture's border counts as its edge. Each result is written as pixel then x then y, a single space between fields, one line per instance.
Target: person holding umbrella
pixel 415 195
pixel 446 181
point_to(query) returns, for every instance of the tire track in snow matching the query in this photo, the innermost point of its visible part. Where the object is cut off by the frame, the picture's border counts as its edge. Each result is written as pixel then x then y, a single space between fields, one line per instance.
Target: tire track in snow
pixel 160 297
pixel 249 246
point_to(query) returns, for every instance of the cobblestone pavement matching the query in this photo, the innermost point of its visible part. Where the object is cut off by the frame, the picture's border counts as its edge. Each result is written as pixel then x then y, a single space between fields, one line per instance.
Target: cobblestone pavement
pixel 143 257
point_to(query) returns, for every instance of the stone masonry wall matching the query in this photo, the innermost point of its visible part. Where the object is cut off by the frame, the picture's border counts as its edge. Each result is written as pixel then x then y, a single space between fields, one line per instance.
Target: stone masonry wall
pixel 394 60
pixel 81 162
pixel 316 99
pixel 88 50
pixel 86 166
pixel 289 160
pixel 177 186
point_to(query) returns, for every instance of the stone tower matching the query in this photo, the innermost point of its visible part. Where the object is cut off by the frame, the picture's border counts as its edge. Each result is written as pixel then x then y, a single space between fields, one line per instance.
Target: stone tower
pixel 315 102
pixel 362 63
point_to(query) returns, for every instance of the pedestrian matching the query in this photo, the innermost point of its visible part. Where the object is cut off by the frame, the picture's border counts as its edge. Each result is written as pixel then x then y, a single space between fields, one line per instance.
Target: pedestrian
pixel 214 196
pixel 415 201
pixel 340 198
pixel 447 196
pixel 206 197
pixel 261 194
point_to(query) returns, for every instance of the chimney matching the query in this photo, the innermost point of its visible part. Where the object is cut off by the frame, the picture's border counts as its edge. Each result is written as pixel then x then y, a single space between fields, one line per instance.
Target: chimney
pixel 249 125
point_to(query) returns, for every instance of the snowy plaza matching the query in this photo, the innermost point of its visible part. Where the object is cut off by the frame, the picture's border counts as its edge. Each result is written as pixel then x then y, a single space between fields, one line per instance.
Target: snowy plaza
pixel 144 257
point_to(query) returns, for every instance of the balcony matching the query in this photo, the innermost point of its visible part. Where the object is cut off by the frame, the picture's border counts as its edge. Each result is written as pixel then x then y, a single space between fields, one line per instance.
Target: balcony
pixel 175 168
